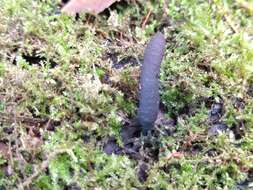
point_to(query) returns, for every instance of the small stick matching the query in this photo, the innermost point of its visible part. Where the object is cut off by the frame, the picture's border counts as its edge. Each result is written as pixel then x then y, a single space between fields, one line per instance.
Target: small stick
pixel 43 166
pixel 146 19
pixel 231 24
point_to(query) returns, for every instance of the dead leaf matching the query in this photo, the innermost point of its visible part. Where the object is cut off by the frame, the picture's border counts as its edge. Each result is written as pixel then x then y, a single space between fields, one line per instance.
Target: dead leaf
pixel 4 150
pixel 176 155
pixel 97 188
pixel 246 5
pixel 90 6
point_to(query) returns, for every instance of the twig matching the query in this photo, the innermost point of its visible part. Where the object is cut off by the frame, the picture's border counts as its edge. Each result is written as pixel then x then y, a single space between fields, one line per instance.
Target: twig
pixel 231 24
pixel 146 19
pixel 44 165
pixel 23 119
pixel 228 19
pixel 165 7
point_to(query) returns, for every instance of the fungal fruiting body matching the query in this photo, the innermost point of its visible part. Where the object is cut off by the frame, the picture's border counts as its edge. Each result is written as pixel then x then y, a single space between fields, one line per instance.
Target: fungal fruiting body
pixel 149 82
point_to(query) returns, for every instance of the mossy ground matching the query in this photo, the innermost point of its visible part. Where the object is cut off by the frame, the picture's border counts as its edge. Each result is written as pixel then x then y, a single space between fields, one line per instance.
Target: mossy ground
pixel 61 98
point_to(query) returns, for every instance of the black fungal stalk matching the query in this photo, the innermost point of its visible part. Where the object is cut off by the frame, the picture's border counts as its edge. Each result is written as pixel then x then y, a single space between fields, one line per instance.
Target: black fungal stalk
pixel 149 83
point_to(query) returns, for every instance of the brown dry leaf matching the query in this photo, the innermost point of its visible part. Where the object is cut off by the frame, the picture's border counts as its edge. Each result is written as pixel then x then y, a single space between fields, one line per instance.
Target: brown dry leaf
pixel 90 6
pixel 4 150
pixel 33 143
pixel 176 155
pixel 246 5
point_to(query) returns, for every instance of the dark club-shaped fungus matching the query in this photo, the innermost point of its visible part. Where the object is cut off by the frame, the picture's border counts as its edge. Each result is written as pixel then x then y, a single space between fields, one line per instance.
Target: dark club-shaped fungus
pixel 149 83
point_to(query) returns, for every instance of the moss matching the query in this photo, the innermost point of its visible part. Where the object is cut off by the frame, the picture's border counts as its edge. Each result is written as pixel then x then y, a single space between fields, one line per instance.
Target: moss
pixel 52 93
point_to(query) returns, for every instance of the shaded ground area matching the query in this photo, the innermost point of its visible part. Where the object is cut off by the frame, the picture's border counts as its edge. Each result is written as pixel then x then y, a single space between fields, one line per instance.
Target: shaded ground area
pixel 69 95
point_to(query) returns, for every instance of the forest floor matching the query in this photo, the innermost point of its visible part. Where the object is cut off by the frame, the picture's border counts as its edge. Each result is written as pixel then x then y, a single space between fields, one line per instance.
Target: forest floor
pixel 69 92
